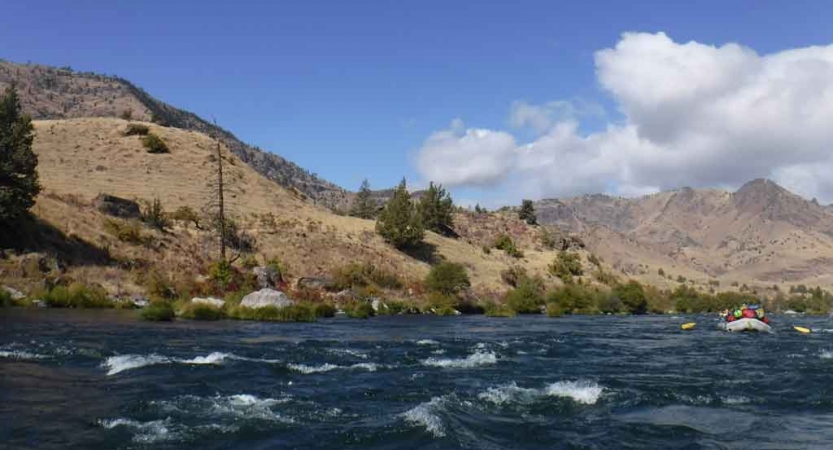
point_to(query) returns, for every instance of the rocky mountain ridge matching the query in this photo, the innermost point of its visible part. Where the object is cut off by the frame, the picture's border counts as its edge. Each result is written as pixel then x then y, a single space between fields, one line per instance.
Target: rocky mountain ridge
pixel 62 93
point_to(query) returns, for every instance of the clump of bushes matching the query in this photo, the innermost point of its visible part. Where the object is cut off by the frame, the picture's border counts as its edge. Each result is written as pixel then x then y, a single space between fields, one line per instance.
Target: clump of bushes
pixel 292 313
pixel 447 278
pixel 77 295
pixel 359 310
pixel 136 129
pixel 498 310
pixel 513 275
pixel 504 242
pixel 361 275
pixel 129 231
pixel 202 311
pixel 154 144
pixel 527 297
pixel 6 299
pixel 324 310
pixel 155 216
pixel 575 299
pixel 158 312
pixel 566 266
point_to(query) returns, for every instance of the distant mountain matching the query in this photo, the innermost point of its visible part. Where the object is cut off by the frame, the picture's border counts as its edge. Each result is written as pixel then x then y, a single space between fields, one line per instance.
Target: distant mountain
pixel 760 232
pixel 61 93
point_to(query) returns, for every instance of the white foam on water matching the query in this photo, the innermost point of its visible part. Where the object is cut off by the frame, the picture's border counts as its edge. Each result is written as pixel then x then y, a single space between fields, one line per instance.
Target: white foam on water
pixel 426 415
pixel 305 369
pixel 145 432
pixel 245 406
pixel 21 355
pixel 478 358
pixel 826 354
pixel 736 400
pixel 370 367
pixel 427 342
pixel 586 392
pixel 438 352
pixel 508 393
pixel 121 363
pixel 212 358
pixel 348 352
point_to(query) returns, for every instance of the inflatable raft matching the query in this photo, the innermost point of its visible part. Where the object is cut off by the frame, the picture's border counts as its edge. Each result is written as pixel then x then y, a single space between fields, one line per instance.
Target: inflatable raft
pixel 746 324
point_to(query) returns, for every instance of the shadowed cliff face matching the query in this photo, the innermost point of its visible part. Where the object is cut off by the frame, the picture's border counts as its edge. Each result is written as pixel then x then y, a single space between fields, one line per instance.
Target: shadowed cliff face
pixel 760 231
pixel 52 93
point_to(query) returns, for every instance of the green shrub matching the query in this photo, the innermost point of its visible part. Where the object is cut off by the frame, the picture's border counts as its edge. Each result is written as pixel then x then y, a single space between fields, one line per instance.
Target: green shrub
pixel 632 295
pixel 155 216
pixel 526 298
pixel 360 275
pixel 504 242
pixel 498 310
pixel 566 266
pixel 359 310
pixel 135 129
pixel 293 313
pixel 158 312
pixel 158 286
pixel 125 231
pixel 201 311
pixel 593 259
pixel 77 295
pixel 221 272
pixel 6 299
pixel 575 299
pixel 154 144
pixel 554 310
pixel 324 310
pixel 447 278
pixel 513 275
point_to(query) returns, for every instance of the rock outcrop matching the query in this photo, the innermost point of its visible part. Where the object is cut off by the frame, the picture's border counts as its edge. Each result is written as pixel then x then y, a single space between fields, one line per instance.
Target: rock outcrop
pixel 266 297
pixel 117 207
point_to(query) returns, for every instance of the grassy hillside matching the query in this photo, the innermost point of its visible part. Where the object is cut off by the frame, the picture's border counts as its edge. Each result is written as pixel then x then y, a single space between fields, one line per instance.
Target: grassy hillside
pixel 82 158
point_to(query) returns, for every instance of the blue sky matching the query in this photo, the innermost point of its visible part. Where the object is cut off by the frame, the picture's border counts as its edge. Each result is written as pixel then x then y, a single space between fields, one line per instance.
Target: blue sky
pixel 353 89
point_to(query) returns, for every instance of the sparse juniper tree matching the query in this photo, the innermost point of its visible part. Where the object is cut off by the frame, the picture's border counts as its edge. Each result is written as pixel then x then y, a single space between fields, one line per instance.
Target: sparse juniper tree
pixel 435 209
pixel 527 212
pixel 399 223
pixel 18 163
pixel 364 207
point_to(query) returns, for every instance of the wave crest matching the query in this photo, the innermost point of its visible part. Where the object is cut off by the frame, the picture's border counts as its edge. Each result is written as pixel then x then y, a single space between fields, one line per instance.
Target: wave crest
pixel 478 358
pixel 586 392
pixel 427 415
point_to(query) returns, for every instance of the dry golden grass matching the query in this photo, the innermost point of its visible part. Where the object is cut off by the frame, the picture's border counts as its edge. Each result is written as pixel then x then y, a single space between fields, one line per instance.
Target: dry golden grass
pixel 81 158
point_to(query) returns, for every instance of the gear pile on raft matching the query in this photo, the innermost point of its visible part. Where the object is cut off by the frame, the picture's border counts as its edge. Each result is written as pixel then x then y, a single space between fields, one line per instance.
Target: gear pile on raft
pixel 745 318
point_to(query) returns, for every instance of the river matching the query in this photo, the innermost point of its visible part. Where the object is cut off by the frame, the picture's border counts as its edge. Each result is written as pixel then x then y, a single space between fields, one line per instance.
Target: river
pixel 105 380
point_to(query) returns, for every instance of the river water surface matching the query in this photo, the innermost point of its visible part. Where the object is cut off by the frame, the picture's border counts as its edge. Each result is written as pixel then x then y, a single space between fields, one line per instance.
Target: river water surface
pixel 104 380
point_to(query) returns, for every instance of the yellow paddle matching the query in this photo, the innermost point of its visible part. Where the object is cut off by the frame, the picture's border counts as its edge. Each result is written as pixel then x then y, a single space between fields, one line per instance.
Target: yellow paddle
pixel 688 326
pixel 802 330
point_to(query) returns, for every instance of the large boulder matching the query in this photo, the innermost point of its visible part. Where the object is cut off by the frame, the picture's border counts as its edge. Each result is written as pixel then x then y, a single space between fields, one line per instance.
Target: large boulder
pixel 210 301
pixel 116 206
pixel 314 283
pixel 267 277
pixel 266 297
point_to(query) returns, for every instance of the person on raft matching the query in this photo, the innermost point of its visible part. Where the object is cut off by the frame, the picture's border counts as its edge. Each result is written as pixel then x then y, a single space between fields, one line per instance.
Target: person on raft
pixel 746 312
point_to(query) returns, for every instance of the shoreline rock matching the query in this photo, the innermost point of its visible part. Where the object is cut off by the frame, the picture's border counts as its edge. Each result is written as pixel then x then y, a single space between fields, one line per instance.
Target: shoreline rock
pixel 266 297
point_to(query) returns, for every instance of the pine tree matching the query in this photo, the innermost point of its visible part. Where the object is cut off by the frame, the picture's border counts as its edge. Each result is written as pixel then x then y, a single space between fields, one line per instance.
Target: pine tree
pixel 435 209
pixel 399 223
pixel 364 207
pixel 527 212
pixel 18 163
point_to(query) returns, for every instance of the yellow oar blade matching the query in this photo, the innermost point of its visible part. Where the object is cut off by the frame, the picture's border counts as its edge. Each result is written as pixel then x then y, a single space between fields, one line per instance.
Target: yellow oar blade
pixel 802 330
pixel 688 326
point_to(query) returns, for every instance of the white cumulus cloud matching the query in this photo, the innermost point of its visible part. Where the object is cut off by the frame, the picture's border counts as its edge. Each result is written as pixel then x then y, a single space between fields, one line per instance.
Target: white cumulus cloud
pixel 693 114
